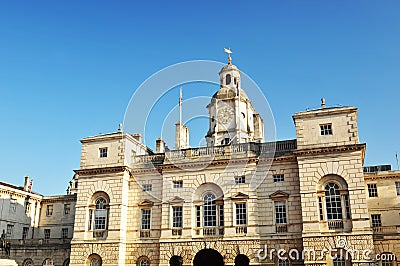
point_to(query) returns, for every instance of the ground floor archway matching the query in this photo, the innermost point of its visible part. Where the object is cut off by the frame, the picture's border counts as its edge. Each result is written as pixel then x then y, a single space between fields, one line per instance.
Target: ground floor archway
pixel 242 260
pixel 208 257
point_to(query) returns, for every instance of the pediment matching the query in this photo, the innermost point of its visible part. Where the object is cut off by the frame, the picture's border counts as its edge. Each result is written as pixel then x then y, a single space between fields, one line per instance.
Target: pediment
pixel 279 195
pixel 145 203
pixel 240 196
pixel 176 200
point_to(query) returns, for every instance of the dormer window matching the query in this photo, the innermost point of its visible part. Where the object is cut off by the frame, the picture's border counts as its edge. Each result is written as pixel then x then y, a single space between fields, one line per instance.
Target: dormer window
pixel 326 129
pixel 228 79
pixel 103 152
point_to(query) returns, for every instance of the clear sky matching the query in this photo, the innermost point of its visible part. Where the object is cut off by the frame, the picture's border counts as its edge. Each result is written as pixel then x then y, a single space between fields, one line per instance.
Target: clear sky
pixel 69 68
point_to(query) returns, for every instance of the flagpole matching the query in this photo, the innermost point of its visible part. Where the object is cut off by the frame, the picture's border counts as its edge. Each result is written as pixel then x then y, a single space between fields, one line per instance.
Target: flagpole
pixel 180 118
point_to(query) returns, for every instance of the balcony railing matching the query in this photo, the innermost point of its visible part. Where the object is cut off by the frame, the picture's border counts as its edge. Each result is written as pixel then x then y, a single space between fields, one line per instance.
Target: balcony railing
pixel 386 230
pixel 144 233
pixel 177 232
pixel 268 149
pixel 100 234
pixel 241 230
pixel 281 228
pixel 209 231
pixel 377 168
pixel 335 225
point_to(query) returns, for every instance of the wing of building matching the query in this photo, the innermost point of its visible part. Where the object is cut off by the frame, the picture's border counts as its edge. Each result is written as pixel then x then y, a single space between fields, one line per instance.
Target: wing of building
pixel 237 201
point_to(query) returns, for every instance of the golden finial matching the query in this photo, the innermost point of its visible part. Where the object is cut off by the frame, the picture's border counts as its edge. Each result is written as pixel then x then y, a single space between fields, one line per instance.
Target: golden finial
pixel 229 52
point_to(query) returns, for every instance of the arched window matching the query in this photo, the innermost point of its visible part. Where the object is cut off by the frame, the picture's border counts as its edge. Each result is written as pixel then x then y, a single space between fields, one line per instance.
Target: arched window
pixel 47 262
pixel 242 260
pixel 333 202
pixel 98 215
pixel 28 262
pixel 209 211
pixel 228 79
pixel 143 261
pixel 176 261
pixel 94 260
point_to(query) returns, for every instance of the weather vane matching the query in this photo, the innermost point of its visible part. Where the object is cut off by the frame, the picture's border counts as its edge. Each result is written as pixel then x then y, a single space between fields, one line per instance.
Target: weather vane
pixel 229 52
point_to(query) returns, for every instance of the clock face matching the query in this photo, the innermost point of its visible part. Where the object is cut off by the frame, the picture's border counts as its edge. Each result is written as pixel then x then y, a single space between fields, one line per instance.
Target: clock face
pixel 225 115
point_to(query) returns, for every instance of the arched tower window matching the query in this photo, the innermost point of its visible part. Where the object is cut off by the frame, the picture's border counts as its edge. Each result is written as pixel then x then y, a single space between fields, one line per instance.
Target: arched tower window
pixel 143 261
pixel 228 79
pixel 333 202
pixel 210 210
pixel 98 214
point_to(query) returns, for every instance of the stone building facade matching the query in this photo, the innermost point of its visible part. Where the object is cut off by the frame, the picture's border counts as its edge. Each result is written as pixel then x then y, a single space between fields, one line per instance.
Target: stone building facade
pixel 237 201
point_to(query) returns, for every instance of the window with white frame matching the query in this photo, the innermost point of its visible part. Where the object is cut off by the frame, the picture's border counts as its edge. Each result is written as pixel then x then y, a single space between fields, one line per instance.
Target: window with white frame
pixel 27 207
pixel 10 229
pixel 198 216
pixel 372 190
pixel 103 152
pixel 209 211
pixel 280 212
pixel 13 205
pixel 241 213
pixel 333 202
pixel 279 178
pixel 147 187
pixel 339 262
pixel 326 129
pixel 177 184
pixel 46 233
pixel 376 220
pixel 100 214
pixel 398 188
pixel 145 219
pixel 177 217
pixel 64 233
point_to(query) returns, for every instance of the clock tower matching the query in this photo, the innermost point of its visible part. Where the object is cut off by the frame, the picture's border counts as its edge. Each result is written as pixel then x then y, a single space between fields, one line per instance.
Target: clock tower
pixel 232 117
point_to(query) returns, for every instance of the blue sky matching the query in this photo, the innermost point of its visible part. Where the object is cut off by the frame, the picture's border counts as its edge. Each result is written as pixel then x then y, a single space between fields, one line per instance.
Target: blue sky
pixel 69 68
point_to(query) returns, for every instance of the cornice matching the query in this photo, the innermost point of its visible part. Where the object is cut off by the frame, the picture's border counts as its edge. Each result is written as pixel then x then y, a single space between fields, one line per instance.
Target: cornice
pixel 387 175
pixel 103 170
pixel 329 150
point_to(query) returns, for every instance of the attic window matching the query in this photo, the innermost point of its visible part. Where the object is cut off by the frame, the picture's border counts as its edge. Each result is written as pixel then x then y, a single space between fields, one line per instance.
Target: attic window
pixel 326 129
pixel 103 152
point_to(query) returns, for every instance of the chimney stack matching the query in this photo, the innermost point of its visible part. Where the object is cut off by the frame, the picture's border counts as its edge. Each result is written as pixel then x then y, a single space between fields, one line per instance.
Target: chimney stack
pixel 26 183
pixel 160 146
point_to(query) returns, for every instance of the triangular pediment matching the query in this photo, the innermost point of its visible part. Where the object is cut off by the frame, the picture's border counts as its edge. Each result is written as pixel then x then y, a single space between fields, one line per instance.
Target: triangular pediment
pixel 240 196
pixel 144 203
pixel 176 200
pixel 279 195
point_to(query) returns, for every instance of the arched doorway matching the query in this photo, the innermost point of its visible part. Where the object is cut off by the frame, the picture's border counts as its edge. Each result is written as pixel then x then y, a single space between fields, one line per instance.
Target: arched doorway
pixel 208 257
pixel 242 260
pixel 175 261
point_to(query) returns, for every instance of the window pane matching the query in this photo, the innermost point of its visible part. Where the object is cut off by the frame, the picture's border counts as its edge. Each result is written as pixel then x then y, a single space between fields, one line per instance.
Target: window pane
pixel 241 214
pixel 210 211
pixel 280 213
pixel 333 202
pixel 145 219
pixel 177 216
